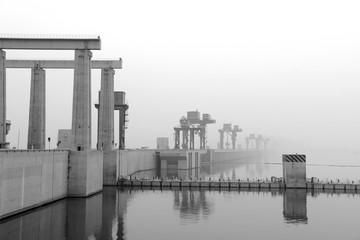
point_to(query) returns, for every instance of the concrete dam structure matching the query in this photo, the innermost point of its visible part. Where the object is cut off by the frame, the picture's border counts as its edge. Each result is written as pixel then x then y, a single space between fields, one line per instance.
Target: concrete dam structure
pixel 31 178
pixel 34 177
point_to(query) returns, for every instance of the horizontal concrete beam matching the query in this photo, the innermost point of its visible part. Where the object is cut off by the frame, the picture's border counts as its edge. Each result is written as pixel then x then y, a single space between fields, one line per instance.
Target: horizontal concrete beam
pixel 62 64
pixel 49 42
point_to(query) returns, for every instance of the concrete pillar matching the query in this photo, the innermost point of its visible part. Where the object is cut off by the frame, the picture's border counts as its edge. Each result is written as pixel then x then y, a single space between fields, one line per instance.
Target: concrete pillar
pixel 120 104
pixel 203 138
pixel 36 128
pixel 185 139
pixel 106 110
pixel 177 138
pixel 192 139
pixel 294 171
pixel 2 99
pixel 122 120
pixel 221 139
pixel 81 117
pixel 233 139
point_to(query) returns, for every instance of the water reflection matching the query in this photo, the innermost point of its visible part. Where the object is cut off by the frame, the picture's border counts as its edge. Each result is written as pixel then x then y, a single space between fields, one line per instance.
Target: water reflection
pixel 84 217
pixel 46 223
pixel 192 205
pixel 98 217
pixel 117 213
pixel 295 209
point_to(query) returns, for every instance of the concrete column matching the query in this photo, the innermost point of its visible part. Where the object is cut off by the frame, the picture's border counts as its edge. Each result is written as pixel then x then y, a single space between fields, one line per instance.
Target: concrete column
pixel 192 139
pixel 81 117
pixel 233 139
pixel 36 131
pixel 221 139
pixel 177 139
pixel 106 110
pixel 122 120
pixel 185 139
pixel 202 138
pixel 2 99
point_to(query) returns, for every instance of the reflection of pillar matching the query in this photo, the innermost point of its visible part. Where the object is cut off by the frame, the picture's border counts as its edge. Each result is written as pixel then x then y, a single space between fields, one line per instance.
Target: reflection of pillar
pixel 106 110
pixel 221 139
pixel 84 217
pixel 2 99
pixel 294 207
pixel 177 138
pixel 81 116
pixel 109 206
pixel 36 131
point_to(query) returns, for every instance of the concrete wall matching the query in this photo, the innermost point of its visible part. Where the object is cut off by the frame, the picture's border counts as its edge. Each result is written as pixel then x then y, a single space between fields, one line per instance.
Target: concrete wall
pixel 229 155
pixel 131 161
pixel 85 173
pixel 31 178
pixel 111 171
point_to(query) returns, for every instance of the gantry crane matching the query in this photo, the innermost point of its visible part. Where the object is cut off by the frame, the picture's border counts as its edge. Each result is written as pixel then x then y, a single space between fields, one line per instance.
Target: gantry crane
pixel 228 130
pixel 191 125
pixel 258 141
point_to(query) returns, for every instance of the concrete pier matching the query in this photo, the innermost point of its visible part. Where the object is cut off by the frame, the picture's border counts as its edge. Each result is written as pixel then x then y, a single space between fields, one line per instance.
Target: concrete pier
pixel 36 131
pixel 106 111
pixel 81 116
pixel 3 143
pixel 85 165
pixel 294 170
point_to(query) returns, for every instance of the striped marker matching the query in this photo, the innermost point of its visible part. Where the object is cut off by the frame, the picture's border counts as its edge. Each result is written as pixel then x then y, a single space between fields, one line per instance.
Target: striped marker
pixel 294 158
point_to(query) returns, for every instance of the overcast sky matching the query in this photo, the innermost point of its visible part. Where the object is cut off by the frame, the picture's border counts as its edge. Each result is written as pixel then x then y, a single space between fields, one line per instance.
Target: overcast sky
pixel 284 69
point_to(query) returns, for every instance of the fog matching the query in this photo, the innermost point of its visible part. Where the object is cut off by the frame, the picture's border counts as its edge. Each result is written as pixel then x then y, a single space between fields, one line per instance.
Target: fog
pixel 288 70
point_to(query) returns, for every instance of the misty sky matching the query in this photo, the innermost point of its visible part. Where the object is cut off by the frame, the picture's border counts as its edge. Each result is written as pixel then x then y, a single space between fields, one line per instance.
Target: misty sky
pixel 286 69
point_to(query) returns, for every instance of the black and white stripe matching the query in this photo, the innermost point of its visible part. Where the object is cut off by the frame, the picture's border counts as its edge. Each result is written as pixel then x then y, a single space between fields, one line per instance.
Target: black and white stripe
pixel 294 158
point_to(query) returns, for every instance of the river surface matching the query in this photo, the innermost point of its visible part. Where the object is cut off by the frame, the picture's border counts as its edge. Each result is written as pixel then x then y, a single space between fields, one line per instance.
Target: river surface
pixel 118 213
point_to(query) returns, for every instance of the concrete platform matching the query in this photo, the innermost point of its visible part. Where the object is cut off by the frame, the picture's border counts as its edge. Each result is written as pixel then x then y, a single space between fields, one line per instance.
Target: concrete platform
pixel 240 185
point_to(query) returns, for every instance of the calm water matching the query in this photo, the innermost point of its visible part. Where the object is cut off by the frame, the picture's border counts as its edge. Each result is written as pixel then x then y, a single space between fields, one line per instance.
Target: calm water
pixel 203 214
pixel 192 214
